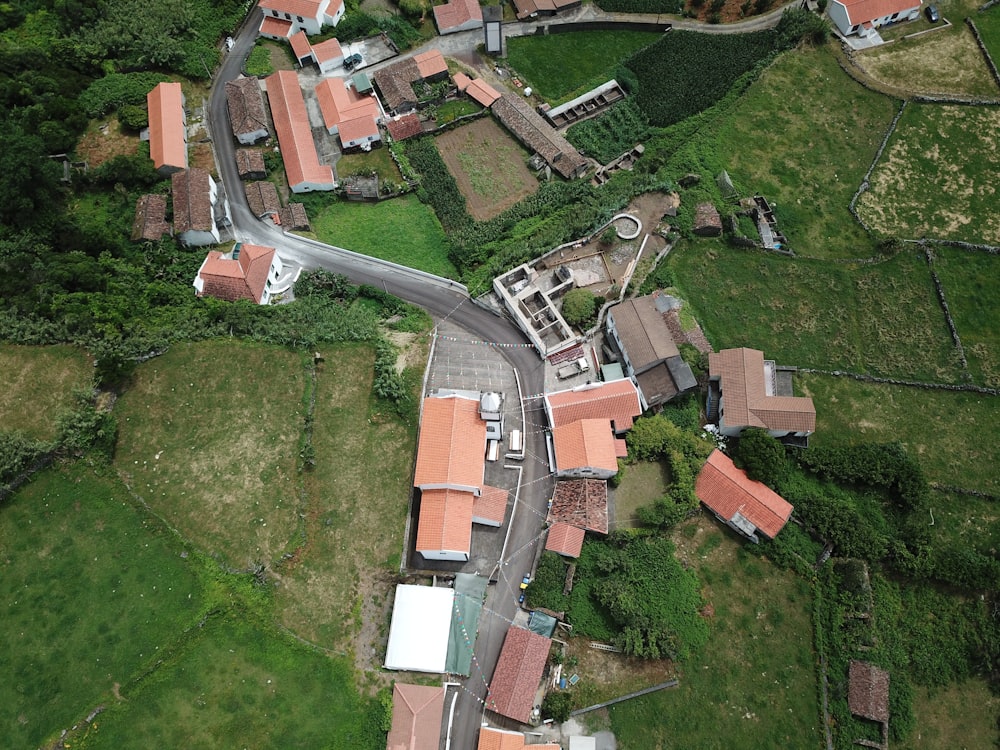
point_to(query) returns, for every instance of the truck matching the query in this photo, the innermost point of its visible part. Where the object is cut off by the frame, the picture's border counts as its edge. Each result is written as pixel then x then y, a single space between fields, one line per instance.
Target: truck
pixel 575 367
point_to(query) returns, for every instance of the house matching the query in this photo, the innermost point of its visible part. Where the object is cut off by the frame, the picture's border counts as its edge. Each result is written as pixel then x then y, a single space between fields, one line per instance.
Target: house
pixel 476 89
pixel 167 128
pixel 250 164
pixel 444 525
pixel 502 739
pixel 533 8
pixel 285 18
pixel 395 82
pixel 565 540
pixel 401 128
pixel 517 675
pixel 293 218
pixel 150 221
pixel 262 197
pixel 582 503
pixel 862 17
pixel 417 711
pixel 246 110
pixel 349 114
pixel 431 66
pixel 617 401
pixel 458 15
pixel 245 273
pixel 648 350
pixel 328 55
pixel 868 691
pixel 745 505
pixel 490 507
pixel 586 448
pixel 301 48
pixel 291 123
pixel 536 134
pixel 451 446
pixel 196 200
pixel 745 390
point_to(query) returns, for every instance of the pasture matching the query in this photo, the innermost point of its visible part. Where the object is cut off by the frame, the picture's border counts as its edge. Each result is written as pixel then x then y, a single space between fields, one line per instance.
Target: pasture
pixel 37 383
pixel 988 24
pixel 937 177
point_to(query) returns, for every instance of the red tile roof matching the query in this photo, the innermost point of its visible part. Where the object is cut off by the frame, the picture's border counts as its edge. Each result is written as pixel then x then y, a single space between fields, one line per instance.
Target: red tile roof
pixel 456 13
pixel 291 122
pixel 518 673
pixel 726 491
pixel 262 197
pixel 405 127
pixel 416 717
pixel 272 26
pixel 191 191
pixel 339 103
pixel 150 221
pixel 294 217
pixel 477 88
pixel 745 400
pixel 250 163
pixel 868 691
pixel 452 444
pixel 305 8
pixel 246 106
pixel 582 503
pixel 490 506
pixel 499 739
pixel 445 521
pixel 860 11
pixel 586 443
pixel 565 539
pixel 167 137
pixel 617 401
pixel 430 63
pixel 243 278
pixel 328 50
pixel 357 129
pixel 300 45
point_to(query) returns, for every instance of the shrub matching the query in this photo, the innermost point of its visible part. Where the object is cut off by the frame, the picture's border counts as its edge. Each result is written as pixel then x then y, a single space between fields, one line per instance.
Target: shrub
pixel 133 117
pixel 761 456
pixel 259 61
pixel 437 186
pixel 799 25
pixel 17 453
pixel 874 464
pixel 116 90
pixel 579 307
pixel 557 705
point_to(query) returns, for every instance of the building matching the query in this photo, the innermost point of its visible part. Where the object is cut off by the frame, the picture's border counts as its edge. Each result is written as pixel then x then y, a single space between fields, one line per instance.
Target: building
pixel 395 82
pixel 458 15
pixel 868 691
pixel 565 540
pixel 246 110
pixel 648 351
pixel 150 221
pixel 328 55
pixel 617 401
pixel 745 390
pixel 444 526
pixel 406 126
pixel 262 197
pixel 247 272
pixel 476 89
pixel 518 673
pixel 501 739
pixel 291 123
pixel 301 48
pixel 586 448
pixel 745 505
pixel 418 632
pixel 417 711
pixel 490 507
pixel 250 164
pixel 863 17
pixel 535 8
pixel 167 128
pixel 347 113
pixel 284 18
pixel 531 129
pixel 451 447
pixel 493 29
pixel 582 503
pixel 196 202
pixel 293 218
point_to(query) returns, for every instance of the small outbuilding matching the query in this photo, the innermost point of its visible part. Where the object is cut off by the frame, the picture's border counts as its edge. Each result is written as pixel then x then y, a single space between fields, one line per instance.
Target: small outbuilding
pixel 707 221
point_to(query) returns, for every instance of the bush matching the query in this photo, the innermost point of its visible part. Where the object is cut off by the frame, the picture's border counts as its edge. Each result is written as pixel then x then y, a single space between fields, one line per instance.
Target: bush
pixel 259 61
pixel 874 464
pixel 557 705
pixel 133 117
pixel 17 453
pixel 761 456
pixel 579 307
pixel 116 90
pixel 437 186
pixel 798 25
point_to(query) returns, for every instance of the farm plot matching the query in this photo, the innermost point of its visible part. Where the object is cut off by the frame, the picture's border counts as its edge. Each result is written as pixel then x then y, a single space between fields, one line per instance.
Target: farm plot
pixel 938 176
pixel 36 383
pixel 209 438
pixel 489 166
pixel 92 592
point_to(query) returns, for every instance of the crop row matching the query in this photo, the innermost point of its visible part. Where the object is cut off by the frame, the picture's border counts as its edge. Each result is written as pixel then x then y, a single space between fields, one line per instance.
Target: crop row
pixel 608 136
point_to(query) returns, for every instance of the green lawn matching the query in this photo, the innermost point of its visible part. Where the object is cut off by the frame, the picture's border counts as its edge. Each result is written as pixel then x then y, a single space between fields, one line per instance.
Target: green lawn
pixel 92 591
pixel 209 438
pixel 988 24
pixel 881 319
pixel 450 111
pixel 960 715
pixel 377 160
pixel 937 177
pixel 803 136
pixel 561 66
pixel 643 483
pixel 37 383
pixel 402 230
pixel 953 434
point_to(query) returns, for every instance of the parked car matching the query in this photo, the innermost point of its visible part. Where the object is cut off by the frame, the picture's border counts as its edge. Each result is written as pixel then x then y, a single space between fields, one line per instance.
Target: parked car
pixel 352 61
pixel 932 14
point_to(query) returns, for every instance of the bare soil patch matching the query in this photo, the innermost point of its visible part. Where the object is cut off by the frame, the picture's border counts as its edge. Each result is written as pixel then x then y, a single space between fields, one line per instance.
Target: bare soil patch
pixel 105 139
pixel 605 675
pixel 489 166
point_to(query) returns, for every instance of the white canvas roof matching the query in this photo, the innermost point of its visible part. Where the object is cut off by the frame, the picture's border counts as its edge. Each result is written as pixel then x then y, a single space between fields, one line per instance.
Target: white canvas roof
pixel 418 635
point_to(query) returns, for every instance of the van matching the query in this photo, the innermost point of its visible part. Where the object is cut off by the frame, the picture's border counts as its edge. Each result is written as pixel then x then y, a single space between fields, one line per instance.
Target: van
pixel 516 441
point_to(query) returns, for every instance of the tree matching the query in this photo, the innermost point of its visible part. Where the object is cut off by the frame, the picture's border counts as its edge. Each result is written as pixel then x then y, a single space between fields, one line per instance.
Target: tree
pixel 761 457
pixel 29 180
pixel 579 306
pixel 557 705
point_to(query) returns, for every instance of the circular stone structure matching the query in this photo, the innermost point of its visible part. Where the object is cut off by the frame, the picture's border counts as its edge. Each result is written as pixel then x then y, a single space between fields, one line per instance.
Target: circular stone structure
pixel 626 232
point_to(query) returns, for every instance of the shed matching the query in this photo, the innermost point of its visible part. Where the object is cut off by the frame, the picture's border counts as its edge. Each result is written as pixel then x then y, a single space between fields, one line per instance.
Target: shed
pixel 418 633
pixel 868 691
pixel 707 221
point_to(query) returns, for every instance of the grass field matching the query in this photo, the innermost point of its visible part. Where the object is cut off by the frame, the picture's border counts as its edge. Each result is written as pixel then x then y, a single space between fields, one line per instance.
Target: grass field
pixel 755 683
pixel 91 591
pixel 953 434
pixel 937 177
pixel 378 160
pixel 988 24
pixel 822 132
pixel 402 230
pixel 969 281
pixel 961 715
pixel 37 383
pixel 881 319
pixel 209 436
pixel 561 66
pixel 643 484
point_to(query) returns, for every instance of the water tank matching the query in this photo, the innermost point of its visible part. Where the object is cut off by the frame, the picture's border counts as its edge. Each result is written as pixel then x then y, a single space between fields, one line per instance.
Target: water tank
pixel 527 90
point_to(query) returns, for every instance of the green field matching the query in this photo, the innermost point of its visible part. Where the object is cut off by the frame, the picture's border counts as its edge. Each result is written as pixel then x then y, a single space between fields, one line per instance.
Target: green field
pixel 377 160
pixel 988 24
pixel 92 593
pixel 37 383
pixel 937 177
pixel 402 230
pixel 561 66
pixel 643 483
pixel 881 319
pixel 803 136
pixel 960 715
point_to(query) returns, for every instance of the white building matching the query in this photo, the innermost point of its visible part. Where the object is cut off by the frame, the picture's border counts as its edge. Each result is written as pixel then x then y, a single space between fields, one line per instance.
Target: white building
pixel 862 17
pixel 283 18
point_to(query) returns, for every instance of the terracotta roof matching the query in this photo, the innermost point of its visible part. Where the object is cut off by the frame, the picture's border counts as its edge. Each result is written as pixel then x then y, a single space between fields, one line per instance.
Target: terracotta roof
pixel 150 221
pixel 246 106
pixel 328 50
pixel 242 278
pixel 490 506
pixel 526 8
pixel 456 13
pixel 452 444
pixel 405 127
pixel 291 122
pixel 534 132
pixel 262 197
pixel 565 539
pixel 338 103
pixel 192 198
pixel 582 503
pixel 294 218
pixel 445 521
pixel 167 136
pixel 518 673
pixel 305 8
pixel 416 717
pixel 272 26
pixel 745 400
pixel 868 691
pixel 430 63
pixel 250 162
pixel 706 218
pixel 586 443
pixel 395 82
pixel 359 128
pixel 617 400
pixel 300 45
pixel 476 88
pixel 643 332
pixel 499 739
pixel 726 491
pixel 860 11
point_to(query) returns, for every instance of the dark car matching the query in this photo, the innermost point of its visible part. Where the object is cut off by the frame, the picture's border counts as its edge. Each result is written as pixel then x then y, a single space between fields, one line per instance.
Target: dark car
pixel 352 61
pixel 932 14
